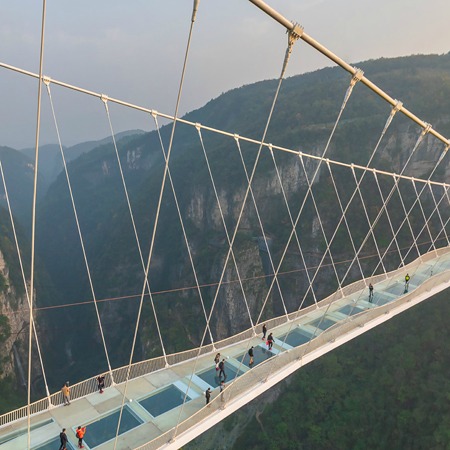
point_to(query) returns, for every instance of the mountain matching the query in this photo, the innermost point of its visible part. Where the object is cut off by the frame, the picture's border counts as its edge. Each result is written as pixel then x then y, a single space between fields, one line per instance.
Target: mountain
pixel 303 118
pixel 50 162
pixel 19 178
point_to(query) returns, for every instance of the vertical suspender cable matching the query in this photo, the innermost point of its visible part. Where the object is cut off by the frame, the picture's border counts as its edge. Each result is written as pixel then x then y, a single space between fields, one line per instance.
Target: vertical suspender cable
pixel 80 234
pixel 166 167
pixel 27 292
pixel 33 217
pixel 133 223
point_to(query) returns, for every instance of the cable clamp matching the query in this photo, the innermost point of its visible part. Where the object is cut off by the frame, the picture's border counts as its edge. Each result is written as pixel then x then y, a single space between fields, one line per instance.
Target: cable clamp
pixel 46 80
pixel 104 98
pixel 236 137
pixel 154 113
pixel 357 76
pixel 397 107
pixel 296 32
pixel 198 126
pixel 427 128
pixel 269 146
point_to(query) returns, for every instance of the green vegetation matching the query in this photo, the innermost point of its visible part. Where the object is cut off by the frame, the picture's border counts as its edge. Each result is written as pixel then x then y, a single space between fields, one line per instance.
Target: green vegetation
pixel 5 329
pixel 387 389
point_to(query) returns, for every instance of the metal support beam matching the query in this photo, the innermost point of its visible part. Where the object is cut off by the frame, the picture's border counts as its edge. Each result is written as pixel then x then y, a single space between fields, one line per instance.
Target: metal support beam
pixel 290 26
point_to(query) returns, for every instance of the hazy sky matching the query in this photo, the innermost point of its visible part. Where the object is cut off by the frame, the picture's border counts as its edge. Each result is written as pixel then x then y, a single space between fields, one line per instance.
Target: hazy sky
pixel 133 50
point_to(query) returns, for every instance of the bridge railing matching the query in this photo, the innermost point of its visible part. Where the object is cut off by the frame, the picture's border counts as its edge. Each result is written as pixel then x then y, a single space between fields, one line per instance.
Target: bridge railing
pixel 119 375
pixel 263 371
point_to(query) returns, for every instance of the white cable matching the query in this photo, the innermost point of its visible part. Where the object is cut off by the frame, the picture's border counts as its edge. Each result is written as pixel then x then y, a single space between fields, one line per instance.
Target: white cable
pixel 225 227
pixel 345 218
pixel 19 255
pixel 158 209
pixel 255 164
pixel 444 227
pixel 33 218
pixel 186 241
pixel 320 160
pixel 386 201
pixel 72 199
pixel 292 222
pixel 388 216
pixel 412 206
pixel 105 102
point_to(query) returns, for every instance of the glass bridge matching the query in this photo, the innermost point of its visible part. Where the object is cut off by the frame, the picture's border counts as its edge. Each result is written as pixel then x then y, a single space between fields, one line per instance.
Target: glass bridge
pixel 165 406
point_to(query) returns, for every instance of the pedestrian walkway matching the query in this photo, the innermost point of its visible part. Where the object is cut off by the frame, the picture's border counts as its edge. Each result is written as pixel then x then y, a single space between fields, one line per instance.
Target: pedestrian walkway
pixel 170 402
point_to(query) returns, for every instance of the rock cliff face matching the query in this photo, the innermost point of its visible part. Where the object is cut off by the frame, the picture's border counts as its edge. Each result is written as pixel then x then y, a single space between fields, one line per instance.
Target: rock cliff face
pixel 303 120
pixel 13 327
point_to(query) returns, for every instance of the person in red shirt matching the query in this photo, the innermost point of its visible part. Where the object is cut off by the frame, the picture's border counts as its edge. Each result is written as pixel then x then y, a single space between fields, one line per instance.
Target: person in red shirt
pixel 80 434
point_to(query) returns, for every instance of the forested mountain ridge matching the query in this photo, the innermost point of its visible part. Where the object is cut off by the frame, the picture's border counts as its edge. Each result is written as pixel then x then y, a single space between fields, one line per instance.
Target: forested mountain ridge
pixel 305 113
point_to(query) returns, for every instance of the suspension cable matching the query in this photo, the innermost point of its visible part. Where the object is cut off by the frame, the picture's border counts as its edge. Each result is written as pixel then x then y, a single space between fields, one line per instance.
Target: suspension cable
pixel 225 227
pixel 130 210
pixel 22 271
pixel 166 167
pixel 291 40
pixel 186 241
pixel 33 217
pixel 386 201
pixel 80 234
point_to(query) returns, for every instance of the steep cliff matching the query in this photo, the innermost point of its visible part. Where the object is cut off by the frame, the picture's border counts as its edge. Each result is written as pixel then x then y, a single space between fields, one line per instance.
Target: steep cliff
pixel 303 119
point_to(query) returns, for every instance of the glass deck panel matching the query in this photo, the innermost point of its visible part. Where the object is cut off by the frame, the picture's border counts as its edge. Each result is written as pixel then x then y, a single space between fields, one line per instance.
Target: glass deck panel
pixel 21 432
pixel 260 354
pixel 350 310
pixel 54 444
pixel 323 324
pixel 211 376
pixel 105 429
pixel 164 400
pixel 295 338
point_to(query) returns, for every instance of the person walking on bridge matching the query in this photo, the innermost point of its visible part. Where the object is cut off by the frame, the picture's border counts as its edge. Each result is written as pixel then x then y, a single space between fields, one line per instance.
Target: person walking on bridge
pixel 217 360
pixel 80 435
pixel 264 332
pixel 370 293
pixel 63 438
pixel 101 383
pixel 222 369
pixel 208 395
pixel 407 278
pixel 250 353
pixel 270 341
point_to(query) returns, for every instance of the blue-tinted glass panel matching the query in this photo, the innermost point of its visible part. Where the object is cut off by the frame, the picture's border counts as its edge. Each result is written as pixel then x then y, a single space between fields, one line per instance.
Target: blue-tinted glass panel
pixel 260 354
pixel 350 310
pixel 211 376
pixel 105 429
pixel 323 324
pixel 295 338
pixel 164 400
pixel 54 444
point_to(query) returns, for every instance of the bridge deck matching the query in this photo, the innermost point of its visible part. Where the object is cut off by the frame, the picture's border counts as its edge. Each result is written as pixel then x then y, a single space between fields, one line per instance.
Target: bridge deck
pixel 154 401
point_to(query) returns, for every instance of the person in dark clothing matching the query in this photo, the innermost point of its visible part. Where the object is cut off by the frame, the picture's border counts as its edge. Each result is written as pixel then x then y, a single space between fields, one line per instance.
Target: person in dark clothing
pixel 264 331
pixel 270 341
pixel 250 353
pixel 63 438
pixel 370 293
pixel 101 383
pixel 222 369
pixel 208 395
